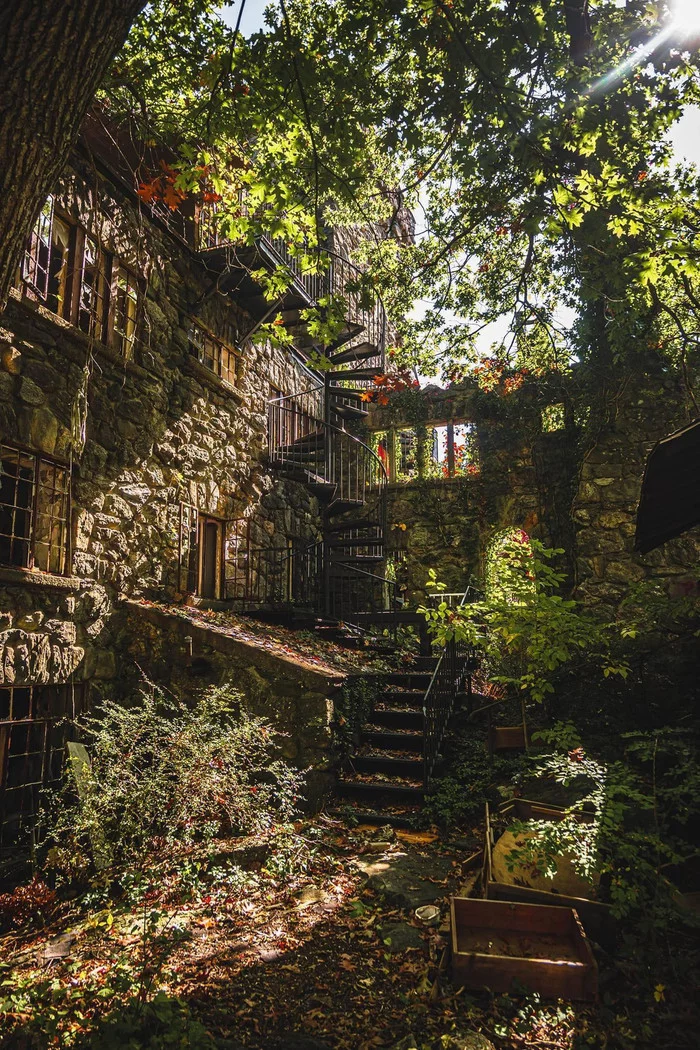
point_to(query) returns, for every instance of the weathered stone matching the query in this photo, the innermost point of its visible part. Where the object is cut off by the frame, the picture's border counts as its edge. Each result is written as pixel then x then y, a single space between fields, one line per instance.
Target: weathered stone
pixel 30 393
pixel 612 519
pixel 400 937
pixel 405 880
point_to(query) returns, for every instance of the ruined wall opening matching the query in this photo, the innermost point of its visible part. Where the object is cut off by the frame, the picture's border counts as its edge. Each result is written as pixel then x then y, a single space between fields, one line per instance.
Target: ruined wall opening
pixel 509 567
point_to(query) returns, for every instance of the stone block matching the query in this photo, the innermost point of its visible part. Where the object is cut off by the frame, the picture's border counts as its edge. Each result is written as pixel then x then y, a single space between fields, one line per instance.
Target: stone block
pixel 43 430
pixel 30 392
pixel 612 519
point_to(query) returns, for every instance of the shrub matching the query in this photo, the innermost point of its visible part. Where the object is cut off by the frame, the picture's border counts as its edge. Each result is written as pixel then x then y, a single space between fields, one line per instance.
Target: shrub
pixel 162 771
pixel 159 1024
pixel 25 903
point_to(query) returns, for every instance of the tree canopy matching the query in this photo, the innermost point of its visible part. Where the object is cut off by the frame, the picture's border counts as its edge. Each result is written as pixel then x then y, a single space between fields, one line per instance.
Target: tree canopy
pixel 529 139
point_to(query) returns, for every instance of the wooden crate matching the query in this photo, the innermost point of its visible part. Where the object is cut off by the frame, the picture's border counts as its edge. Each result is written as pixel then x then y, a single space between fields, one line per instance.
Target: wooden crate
pixel 500 946
pixel 597 918
pixel 525 809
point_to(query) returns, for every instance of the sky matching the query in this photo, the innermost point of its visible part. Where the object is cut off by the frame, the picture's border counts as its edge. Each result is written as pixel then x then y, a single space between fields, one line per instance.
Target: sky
pixel 252 19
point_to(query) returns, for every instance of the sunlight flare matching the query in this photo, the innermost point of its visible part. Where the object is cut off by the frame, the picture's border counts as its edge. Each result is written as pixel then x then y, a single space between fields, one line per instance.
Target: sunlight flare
pixel 686 15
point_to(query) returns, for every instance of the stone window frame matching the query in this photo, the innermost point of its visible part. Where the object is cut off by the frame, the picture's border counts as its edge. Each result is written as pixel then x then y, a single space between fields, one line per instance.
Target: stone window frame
pixel 40 505
pixel 395 452
pixel 214 354
pixel 35 724
pixel 87 293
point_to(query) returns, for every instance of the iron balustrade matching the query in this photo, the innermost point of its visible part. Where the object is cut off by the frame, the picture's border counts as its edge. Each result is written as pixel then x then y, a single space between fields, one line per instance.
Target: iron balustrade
pixel 268 577
pixel 347 471
pixel 354 590
pixel 440 696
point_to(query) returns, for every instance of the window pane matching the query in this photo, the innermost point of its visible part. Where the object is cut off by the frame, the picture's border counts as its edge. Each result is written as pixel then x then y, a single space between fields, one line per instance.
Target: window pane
pixel 213 354
pixel 56 298
pixel 125 312
pixel 35 266
pixel 16 502
pixel 92 285
pixel 51 518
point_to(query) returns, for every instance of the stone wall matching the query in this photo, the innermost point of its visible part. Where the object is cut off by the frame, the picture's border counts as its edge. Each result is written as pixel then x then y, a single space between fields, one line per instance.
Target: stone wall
pixel 576 489
pixel 605 506
pixel 161 429
pixel 298 700
pixel 524 481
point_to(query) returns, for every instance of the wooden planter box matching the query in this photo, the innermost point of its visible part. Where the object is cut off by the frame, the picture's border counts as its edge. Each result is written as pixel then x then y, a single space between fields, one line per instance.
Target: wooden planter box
pixel 524 809
pixel 597 918
pixel 506 738
pixel 495 944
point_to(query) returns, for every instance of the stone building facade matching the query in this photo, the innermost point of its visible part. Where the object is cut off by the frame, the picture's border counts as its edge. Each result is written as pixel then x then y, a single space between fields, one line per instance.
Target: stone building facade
pixel 133 420
pixel 573 487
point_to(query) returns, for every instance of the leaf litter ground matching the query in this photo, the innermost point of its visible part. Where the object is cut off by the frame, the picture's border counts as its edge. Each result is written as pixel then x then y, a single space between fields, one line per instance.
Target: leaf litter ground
pixel 312 952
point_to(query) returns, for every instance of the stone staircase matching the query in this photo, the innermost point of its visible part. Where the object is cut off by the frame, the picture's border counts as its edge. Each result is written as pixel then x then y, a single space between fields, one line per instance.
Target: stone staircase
pixel 383 781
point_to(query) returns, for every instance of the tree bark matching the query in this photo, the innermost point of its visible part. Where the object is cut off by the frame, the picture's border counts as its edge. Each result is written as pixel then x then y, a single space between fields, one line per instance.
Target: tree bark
pixel 578 26
pixel 53 55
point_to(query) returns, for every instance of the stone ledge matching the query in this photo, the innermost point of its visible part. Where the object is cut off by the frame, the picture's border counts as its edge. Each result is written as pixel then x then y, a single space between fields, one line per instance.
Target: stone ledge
pixel 36 310
pixel 214 636
pixel 40 580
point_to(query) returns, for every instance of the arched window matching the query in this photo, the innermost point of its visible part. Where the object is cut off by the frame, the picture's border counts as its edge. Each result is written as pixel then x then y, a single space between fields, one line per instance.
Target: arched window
pixel 510 570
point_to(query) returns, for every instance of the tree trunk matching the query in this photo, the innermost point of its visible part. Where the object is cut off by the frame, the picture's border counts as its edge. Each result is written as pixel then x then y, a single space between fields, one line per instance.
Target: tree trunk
pixel 53 55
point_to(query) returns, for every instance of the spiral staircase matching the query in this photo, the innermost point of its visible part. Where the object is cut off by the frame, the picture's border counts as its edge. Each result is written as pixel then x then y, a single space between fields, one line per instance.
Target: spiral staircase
pixel 311 439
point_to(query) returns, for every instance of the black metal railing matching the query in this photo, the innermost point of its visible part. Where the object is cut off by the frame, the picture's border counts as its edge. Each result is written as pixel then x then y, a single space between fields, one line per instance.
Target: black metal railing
pixel 366 314
pixel 352 474
pixel 440 696
pixel 208 237
pixel 354 590
pixel 270 577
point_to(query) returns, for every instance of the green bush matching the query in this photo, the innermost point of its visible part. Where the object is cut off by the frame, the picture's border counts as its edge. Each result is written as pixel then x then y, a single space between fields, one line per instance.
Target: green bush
pixel 162 772
pixel 470 779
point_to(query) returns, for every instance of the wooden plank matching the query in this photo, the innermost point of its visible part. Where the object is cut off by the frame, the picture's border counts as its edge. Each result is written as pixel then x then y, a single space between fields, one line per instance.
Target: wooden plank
pixel 525 809
pixel 513 916
pixel 597 918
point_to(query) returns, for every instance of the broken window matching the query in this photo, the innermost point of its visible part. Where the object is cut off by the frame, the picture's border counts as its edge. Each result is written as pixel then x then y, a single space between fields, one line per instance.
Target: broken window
pixel 189 549
pixel 92 297
pixel 553 418
pixel 47 258
pixel 406 454
pixel 454 450
pixel 35 723
pixel 37 254
pixel 124 311
pixel 34 511
pixel 69 270
pixel 214 355
pixel 60 265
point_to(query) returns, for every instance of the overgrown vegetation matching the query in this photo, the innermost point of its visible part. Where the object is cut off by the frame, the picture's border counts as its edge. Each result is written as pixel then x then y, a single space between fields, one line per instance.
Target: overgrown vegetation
pixel 162 773
pixel 523 625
